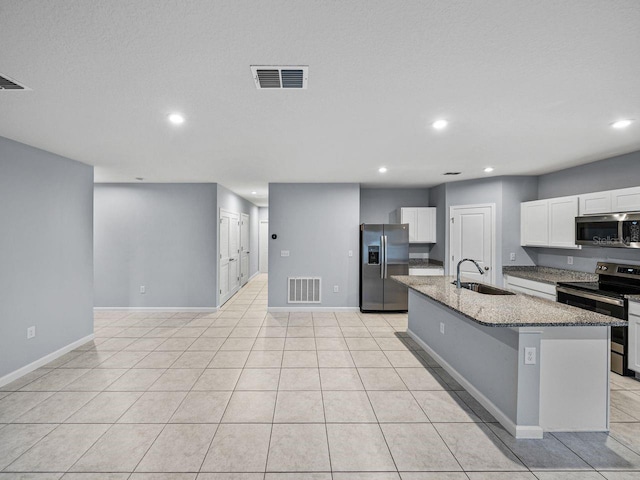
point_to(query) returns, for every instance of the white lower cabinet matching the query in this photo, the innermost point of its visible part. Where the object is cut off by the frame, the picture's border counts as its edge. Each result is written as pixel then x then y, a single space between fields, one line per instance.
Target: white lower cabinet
pixel 426 271
pixel 531 287
pixel 634 336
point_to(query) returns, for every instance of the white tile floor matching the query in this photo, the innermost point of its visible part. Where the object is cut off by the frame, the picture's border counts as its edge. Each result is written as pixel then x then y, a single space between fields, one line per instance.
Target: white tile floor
pixel 242 394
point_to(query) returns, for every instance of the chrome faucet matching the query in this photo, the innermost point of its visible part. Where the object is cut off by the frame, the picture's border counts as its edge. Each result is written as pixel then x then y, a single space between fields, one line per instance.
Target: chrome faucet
pixel 458 284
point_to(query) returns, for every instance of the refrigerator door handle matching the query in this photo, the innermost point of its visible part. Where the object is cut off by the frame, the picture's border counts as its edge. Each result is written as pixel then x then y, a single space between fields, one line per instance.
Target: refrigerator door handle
pixel 385 256
pixel 382 259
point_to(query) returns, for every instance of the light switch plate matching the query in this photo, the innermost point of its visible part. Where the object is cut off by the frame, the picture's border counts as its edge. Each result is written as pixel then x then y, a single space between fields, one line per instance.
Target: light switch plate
pixel 284 253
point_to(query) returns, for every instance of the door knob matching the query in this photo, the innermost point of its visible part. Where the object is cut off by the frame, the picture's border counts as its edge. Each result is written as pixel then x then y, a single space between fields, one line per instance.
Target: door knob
pixel 486 268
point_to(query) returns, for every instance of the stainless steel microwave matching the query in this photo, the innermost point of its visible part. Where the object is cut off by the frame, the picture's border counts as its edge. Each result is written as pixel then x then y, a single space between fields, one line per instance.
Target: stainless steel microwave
pixel 615 230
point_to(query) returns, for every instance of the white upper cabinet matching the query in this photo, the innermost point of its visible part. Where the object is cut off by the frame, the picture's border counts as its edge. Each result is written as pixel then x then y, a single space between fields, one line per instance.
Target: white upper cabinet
pixel 534 223
pixel 562 222
pixel 422 223
pixel 549 223
pixel 610 201
pixel 595 203
pixel 625 200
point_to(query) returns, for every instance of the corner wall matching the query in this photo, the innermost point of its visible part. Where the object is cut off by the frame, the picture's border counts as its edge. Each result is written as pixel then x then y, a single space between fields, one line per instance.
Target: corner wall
pixel 46 253
pixel 162 236
pixel 318 225
pixel 378 205
pixel 506 193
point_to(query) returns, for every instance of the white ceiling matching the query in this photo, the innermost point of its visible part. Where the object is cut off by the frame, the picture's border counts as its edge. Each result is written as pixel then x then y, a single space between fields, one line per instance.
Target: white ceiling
pixel 528 87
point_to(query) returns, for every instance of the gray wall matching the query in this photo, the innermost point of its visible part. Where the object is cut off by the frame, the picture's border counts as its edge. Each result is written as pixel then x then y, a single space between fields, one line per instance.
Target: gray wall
pixel 609 174
pixel 162 236
pixel 438 199
pixel 514 191
pixel 46 253
pixel 234 203
pixel 318 224
pixel 617 172
pixel 263 214
pixel 475 192
pixel 378 205
pixel 506 193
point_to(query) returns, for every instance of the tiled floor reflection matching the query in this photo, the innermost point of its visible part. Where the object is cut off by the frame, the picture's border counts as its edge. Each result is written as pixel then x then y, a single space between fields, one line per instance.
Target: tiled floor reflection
pixel 242 394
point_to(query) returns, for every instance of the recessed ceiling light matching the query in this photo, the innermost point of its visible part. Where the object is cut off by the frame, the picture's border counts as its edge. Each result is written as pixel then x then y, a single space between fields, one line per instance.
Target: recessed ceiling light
pixel 254 193
pixel 176 118
pixel 488 170
pixel 439 124
pixel 382 169
pixel 622 123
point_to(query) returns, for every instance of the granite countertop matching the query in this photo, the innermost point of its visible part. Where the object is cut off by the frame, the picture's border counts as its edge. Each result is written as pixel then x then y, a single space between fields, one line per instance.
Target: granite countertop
pixel 633 298
pixel 549 275
pixel 424 263
pixel 517 310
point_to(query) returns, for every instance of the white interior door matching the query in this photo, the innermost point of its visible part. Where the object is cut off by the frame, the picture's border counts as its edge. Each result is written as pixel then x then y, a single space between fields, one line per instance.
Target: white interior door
pixel 264 247
pixel 244 249
pixel 472 235
pixel 229 255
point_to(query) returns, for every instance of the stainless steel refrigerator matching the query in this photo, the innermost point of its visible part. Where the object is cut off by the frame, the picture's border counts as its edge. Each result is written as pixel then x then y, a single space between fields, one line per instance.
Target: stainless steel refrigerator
pixel 384 251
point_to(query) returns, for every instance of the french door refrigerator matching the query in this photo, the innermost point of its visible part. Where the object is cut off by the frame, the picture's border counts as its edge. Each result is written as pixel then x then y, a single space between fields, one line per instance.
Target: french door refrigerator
pixel 384 251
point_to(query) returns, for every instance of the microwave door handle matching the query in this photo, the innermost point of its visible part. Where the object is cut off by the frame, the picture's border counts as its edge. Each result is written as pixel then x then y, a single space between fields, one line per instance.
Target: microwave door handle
pixel 621 238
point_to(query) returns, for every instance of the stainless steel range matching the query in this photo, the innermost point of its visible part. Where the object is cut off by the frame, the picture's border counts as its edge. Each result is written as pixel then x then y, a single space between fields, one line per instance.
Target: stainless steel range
pixel 607 296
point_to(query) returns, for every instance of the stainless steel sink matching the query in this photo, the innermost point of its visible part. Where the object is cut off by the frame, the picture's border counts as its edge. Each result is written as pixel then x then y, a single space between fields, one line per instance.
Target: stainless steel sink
pixel 484 289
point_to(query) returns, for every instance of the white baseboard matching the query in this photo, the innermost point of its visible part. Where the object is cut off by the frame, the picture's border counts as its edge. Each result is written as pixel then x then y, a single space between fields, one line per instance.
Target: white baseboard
pixel 158 309
pixel 10 377
pixel 313 309
pixel 518 431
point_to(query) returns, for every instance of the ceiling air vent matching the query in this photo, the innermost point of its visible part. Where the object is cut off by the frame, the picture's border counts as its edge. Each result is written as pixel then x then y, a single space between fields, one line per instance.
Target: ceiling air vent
pixel 452 173
pixel 6 83
pixel 280 77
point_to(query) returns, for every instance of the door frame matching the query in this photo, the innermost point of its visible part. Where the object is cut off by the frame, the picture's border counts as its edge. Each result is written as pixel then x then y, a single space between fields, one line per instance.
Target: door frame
pixel 492 206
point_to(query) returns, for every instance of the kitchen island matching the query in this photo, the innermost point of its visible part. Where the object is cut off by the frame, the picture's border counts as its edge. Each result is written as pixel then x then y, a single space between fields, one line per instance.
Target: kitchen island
pixel 535 365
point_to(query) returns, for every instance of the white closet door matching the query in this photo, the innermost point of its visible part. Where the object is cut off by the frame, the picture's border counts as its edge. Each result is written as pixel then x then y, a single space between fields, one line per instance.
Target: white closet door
pixel 224 257
pixel 244 248
pixel 229 270
pixel 473 236
pixel 234 253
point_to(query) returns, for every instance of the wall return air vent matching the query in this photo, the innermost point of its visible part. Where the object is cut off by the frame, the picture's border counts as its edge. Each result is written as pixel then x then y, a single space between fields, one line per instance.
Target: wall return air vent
pixel 304 290
pixel 280 77
pixel 7 83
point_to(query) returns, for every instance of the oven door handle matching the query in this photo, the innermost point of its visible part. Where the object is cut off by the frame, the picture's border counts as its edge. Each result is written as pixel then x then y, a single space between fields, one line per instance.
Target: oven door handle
pixel 597 298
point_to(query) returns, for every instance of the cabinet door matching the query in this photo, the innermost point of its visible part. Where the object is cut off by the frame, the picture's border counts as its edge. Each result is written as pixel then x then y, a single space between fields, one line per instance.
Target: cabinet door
pixel 634 343
pixel 534 223
pixel 426 217
pixel 625 200
pixel 594 203
pixel 562 220
pixel 410 215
